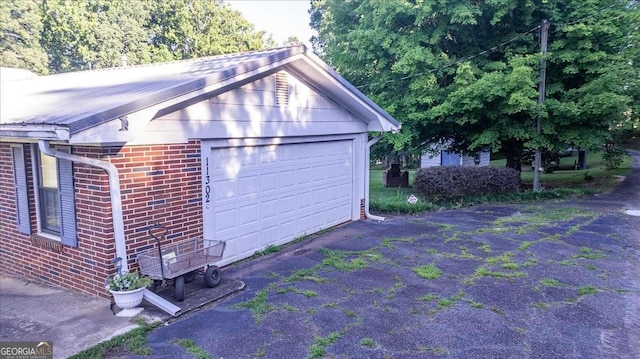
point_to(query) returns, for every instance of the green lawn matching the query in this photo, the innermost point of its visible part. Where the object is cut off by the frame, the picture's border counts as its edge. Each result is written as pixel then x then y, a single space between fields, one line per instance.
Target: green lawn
pixel 386 199
pixel 596 176
pixel 558 184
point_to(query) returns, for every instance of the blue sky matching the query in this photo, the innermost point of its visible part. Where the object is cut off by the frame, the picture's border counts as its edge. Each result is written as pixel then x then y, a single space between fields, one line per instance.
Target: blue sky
pixel 281 18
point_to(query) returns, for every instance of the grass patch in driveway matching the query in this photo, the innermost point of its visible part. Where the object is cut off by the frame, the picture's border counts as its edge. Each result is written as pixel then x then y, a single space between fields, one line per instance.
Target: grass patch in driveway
pixel 427 272
pixel 534 217
pixel 485 247
pixel 524 246
pixel 192 348
pixel 428 297
pixel 449 302
pixel 306 293
pixel 586 290
pixel 476 305
pixel 549 282
pixel 368 342
pixel 258 305
pixel 588 253
pixel 305 274
pixel 347 261
pixel 319 347
pixel 484 272
pixel 387 241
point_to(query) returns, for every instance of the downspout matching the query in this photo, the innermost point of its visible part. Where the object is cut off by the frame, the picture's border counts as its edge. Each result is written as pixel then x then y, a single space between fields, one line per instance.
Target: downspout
pixel 367 174
pixel 114 190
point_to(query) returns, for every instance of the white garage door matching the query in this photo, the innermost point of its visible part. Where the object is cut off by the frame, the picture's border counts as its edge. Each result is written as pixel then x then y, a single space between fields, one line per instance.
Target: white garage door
pixel 273 194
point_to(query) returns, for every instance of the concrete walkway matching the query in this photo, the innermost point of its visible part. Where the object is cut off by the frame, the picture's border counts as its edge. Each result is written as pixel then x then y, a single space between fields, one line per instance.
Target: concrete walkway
pixel 72 321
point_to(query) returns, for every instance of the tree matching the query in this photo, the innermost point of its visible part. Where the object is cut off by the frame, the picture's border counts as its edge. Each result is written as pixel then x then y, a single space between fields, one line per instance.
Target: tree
pixel 183 29
pixel 465 73
pixel 95 33
pixel 292 41
pixel 21 23
pixel 62 35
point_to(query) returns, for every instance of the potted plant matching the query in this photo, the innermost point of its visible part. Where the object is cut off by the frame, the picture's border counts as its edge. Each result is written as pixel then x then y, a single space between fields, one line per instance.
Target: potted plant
pixel 127 288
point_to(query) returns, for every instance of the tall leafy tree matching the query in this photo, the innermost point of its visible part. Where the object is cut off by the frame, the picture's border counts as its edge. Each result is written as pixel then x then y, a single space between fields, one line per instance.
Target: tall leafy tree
pixel 21 24
pixel 95 33
pixel 465 73
pixel 182 29
pixel 62 35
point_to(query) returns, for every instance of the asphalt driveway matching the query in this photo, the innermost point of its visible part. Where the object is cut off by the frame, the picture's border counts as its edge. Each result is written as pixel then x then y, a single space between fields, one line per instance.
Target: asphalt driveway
pixel 559 280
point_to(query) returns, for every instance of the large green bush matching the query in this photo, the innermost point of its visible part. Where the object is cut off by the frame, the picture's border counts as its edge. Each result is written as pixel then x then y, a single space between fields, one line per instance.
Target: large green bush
pixel 453 182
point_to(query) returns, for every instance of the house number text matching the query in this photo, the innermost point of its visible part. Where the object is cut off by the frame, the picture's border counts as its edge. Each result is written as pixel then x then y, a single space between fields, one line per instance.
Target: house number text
pixel 207 181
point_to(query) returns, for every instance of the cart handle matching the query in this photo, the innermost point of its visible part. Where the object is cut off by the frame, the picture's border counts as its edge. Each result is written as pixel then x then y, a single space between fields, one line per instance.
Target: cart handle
pixel 159 239
pixel 158 236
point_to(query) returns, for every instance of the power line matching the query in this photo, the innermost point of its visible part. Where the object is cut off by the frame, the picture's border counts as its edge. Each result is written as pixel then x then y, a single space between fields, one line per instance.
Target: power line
pixel 567 23
pixel 483 52
pixel 573 22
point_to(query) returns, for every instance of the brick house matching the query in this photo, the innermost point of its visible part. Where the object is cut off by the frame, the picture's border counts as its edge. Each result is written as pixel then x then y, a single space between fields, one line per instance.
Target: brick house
pixel 255 148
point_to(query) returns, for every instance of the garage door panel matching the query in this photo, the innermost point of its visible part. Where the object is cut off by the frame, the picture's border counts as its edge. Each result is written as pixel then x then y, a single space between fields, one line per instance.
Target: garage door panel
pixel 303 175
pixel 287 229
pixel 303 201
pixel 318 196
pixel 225 220
pixel 286 204
pixel 272 194
pixel 304 224
pixel 318 174
pixel 287 179
pixel 269 209
pixel 268 182
pixel 247 186
pixel 247 214
pixel 268 234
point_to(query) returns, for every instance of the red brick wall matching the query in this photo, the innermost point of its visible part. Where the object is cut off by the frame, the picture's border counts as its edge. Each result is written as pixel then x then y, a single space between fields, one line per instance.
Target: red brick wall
pixel 158 184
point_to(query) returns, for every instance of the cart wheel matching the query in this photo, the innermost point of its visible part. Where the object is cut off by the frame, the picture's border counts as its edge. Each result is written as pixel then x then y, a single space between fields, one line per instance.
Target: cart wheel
pixel 180 289
pixel 212 276
pixel 189 277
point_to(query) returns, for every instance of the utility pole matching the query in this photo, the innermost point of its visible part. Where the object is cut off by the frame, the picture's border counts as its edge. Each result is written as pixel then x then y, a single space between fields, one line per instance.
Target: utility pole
pixel 544 34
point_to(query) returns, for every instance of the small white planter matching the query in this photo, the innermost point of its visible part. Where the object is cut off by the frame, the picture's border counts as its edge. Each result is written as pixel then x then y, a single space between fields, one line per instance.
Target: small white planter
pixel 128 299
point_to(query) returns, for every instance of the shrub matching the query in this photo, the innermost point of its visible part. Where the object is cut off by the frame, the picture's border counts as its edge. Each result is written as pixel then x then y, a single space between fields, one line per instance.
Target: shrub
pixel 613 157
pixel 454 182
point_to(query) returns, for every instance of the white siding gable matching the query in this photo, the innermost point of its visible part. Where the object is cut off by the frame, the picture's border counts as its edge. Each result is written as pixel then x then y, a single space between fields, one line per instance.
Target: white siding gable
pixel 251 111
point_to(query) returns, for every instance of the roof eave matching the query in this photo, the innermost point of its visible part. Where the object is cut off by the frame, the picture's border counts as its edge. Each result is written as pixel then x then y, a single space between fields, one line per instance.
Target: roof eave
pixel 327 81
pixel 189 88
pixel 32 131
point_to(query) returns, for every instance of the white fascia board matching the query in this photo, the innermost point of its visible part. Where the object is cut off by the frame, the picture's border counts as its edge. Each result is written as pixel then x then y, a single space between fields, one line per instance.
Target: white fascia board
pixel 371 116
pixel 37 132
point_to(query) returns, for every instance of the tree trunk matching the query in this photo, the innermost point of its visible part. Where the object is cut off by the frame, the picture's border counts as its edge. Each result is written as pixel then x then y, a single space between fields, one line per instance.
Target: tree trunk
pixel 514 162
pixel 582 160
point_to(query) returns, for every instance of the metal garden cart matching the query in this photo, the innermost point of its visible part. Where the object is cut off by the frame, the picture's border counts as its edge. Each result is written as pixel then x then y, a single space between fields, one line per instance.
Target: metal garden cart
pixel 181 261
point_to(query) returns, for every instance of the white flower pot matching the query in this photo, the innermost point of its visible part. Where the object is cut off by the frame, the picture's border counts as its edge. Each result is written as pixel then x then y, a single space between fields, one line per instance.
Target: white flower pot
pixel 128 299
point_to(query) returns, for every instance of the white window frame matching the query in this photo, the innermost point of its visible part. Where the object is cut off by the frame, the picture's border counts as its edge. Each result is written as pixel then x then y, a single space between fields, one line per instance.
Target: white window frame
pixel 35 161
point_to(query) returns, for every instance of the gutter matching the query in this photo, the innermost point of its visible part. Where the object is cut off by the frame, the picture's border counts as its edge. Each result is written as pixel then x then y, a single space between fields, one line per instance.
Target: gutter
pixel 41 131
pixel 367 174
pixel 114 190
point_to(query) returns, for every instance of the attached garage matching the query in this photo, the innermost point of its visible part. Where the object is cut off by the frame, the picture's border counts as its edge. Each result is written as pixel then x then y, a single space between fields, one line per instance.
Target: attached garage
pixel 271 194
pixel 255 149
